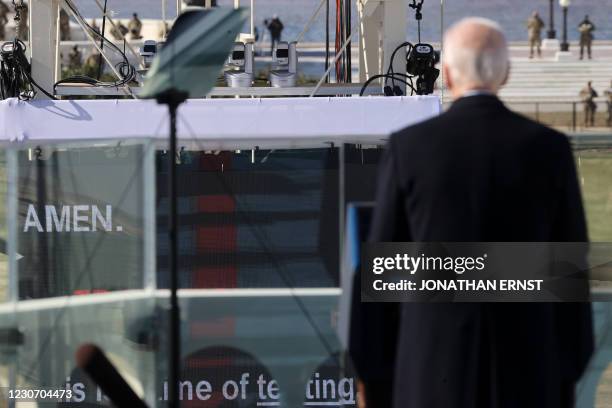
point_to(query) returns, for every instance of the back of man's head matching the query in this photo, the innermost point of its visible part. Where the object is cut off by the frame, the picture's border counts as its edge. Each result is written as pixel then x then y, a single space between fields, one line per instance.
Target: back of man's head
pixel 475 56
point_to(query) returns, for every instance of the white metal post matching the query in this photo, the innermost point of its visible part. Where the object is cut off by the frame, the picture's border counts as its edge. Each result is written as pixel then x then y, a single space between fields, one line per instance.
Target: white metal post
pixel 382 27
pixel 253 19
pixel 179 7
pixel 164 17
pixel 369 14
pixel 394 29
pixel 44 41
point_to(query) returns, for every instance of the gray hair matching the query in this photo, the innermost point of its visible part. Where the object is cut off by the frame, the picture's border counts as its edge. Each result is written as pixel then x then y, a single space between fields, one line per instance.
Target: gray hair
pixel 476 53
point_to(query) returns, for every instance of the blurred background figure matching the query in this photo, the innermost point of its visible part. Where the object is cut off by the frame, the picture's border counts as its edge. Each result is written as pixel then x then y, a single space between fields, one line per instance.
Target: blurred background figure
pixel 135 27
pixel 64 26
pixel 534 28
pixel 23 30
pixel 90 68
pixel 164 29
pixel 94 26
pixel 586 29
pixel 588 95
pixel 275 26
pixel 75 58
pixel 608 93
pixel 119 31
pixel 4 10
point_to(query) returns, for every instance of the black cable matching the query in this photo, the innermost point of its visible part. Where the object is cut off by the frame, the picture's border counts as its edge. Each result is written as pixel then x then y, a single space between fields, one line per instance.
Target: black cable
pixel 390 70
pixel 338 41
pixel 125 69
pixel 327 39
pixel 347 27
pixel 399 77
pixel 102 40
pixel 16 73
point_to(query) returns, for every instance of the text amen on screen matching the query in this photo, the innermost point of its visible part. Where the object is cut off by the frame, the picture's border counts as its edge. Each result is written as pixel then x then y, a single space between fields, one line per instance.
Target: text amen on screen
pixel 70 218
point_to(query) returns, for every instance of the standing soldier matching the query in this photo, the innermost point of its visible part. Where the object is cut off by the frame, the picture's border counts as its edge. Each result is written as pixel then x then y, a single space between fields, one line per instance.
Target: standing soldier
pixel 275 26
pixel 4 10
pixel 534 27
pixel 92 62
pixel 23 31
pixel 75 58
pixel 64 26
pixel 94 26
pixel 135 27
pixel 586 29
pixel 119 31
pixel 588 95
pixel 608 94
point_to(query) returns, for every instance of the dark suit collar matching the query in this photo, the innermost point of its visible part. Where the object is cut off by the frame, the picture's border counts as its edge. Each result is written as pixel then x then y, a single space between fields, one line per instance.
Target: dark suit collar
pixel 481 100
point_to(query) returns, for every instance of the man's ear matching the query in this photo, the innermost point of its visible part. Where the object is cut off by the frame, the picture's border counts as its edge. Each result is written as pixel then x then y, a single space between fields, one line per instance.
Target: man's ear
pixel 448 82
pixel 505 81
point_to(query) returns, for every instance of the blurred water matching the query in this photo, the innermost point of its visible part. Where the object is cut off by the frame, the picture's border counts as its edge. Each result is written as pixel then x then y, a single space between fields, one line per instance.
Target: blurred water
pixel 511 14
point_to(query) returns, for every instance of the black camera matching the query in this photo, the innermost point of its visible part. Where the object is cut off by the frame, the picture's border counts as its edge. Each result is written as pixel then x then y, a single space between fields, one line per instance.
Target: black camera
pixel 421 63
pixel 421 59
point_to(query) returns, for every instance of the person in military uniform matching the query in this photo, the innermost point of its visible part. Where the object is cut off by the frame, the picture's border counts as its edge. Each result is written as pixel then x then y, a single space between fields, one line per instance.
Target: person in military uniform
pixel 94 26
pixel 23 31
pixel 534 28
pixel 4 11
pixel 64 22
pixel 92 62
pixel 75 58
pixel 164 29
pixel 608 93
pixel 588 95
pixel 135 27
pixel 275 26
pixel 119 31
pixel 586 28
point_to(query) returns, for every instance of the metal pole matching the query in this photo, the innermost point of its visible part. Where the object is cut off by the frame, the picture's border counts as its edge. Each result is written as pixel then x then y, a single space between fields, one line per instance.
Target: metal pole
pixel 253 19
pixel 551 34
pixel 333 64
pixel 102 39
pixel 327 38
pixel 172 233
pixel 173 99
pixel 564 44
pixel 164 17
pixel 179 7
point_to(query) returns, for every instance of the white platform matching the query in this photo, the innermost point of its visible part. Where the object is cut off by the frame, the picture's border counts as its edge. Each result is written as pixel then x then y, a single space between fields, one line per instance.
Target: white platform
pixel 550 44
pixel 564 56
pixel 215 123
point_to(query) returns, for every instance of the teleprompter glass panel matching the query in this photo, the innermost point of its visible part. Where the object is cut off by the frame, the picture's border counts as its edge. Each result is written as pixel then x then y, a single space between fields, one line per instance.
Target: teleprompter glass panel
pixel 79 231
pixel 80 220
pixel 254 219
pixel 259 267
